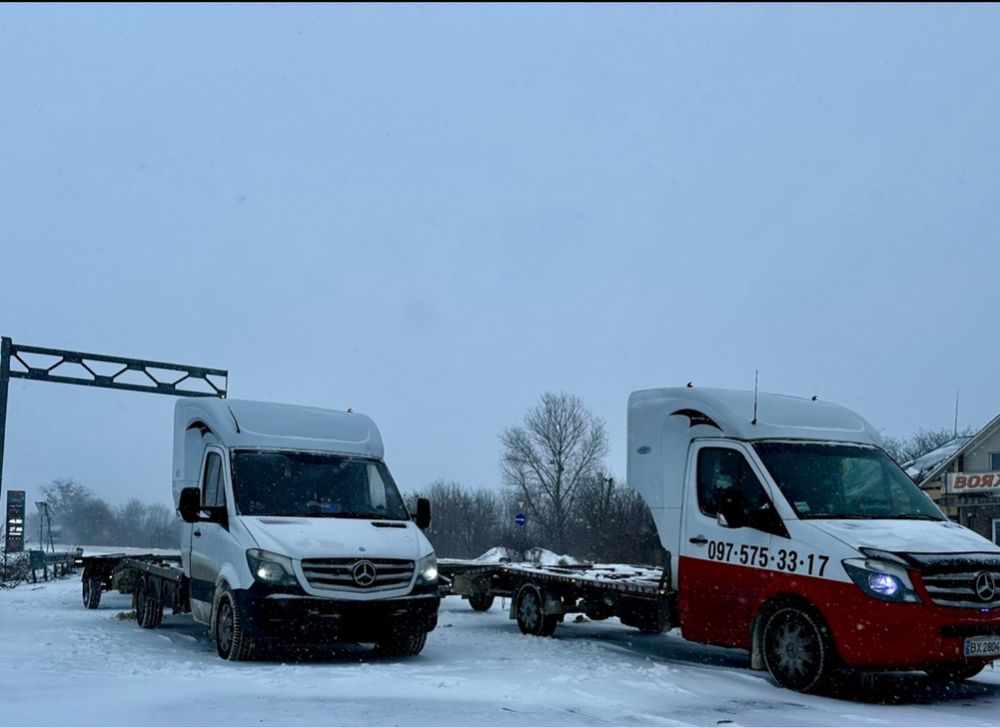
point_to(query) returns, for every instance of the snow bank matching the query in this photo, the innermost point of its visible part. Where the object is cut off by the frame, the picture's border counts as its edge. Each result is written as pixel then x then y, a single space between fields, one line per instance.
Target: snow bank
pixel 545 557
pixel 537 555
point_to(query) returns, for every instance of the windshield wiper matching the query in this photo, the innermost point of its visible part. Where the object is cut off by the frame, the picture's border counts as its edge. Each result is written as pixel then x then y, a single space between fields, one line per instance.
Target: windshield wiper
pixel 354 514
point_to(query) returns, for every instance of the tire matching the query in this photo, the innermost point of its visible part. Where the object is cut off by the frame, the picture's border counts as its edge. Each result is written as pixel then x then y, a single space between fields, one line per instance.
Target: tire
pixel 231 639
pixel 955 671
pixel 481 601
pixel 656 623
pixel 406 645
pixel 91 592
pixel 798 651
pixel 530 618
pixel 148 611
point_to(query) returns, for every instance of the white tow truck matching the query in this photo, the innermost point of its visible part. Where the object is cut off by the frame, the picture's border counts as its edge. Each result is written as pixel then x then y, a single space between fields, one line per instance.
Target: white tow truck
pixel 293 530
pixel 790 533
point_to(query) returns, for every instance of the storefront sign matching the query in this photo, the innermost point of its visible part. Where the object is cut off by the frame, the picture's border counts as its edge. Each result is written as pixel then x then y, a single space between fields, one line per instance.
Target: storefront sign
pixel 972 482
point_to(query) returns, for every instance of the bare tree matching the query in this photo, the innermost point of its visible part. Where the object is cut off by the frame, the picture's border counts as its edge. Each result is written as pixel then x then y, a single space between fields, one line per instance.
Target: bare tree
pixel 558 449
pixel 615 524
pixel 466 522
pixel 87 519
pixel 920 443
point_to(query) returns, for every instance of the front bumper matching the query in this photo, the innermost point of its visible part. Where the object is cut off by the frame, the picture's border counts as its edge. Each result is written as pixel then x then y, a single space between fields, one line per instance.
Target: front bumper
pixel 295 617
pixel 881 635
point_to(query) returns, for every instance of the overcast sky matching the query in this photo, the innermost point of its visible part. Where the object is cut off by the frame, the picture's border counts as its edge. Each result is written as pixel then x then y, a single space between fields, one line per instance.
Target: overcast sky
pixel 436 214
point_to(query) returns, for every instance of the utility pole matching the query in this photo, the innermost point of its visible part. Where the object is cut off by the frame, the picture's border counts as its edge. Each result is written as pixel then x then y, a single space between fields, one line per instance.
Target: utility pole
pixel 4 384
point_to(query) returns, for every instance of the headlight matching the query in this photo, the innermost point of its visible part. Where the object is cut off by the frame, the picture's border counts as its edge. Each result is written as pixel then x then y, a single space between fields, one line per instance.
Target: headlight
pixel 427 569
pixel 270 568
pixel 881 580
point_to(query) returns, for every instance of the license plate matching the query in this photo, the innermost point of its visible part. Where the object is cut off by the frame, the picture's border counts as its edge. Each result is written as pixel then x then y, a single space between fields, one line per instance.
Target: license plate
pixel 982 646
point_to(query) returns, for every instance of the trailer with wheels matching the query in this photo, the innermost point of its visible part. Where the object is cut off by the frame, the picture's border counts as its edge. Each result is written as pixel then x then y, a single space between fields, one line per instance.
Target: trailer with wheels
pixel 154 581
pixel 541 596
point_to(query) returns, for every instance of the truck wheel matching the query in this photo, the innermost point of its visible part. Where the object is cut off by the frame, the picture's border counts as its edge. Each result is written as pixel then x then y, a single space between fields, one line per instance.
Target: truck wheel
pixel 91 592
pixel 231 640
pixel 148 611
pixel 798 651
pixel 405 645
pixel 530 617
pixel 481 601
pixel 954 671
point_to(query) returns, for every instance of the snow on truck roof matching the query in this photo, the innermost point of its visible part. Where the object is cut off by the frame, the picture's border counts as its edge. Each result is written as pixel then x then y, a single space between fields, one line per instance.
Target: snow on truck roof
pixel 730 413
pixel 241 423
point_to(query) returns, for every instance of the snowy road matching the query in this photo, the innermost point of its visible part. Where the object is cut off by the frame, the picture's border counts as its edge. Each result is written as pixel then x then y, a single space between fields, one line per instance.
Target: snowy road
pixel 62 664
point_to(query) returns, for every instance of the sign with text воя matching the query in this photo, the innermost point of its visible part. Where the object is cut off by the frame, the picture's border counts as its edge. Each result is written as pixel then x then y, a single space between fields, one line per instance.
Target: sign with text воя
pixel 972 482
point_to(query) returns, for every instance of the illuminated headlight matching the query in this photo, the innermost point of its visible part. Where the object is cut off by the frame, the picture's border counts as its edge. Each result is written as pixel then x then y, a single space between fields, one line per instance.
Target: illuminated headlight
pixel 427 569
pixel 271 568
pixel 881 580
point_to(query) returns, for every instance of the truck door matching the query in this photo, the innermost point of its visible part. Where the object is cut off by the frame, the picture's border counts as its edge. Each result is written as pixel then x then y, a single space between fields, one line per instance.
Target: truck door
pixel 206 538
pixel 722 570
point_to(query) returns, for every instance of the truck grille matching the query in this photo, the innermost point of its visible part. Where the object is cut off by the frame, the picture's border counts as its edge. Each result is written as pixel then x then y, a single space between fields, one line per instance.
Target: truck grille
pixel 968 589
pixel 373 574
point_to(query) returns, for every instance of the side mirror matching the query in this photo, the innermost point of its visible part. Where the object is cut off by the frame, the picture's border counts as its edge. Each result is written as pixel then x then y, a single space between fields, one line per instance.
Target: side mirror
pixel 423 518
pixel 190 505
pixel 732 509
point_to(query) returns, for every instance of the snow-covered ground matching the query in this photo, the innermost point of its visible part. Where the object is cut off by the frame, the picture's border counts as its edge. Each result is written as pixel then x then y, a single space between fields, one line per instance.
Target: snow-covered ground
pixel 62 664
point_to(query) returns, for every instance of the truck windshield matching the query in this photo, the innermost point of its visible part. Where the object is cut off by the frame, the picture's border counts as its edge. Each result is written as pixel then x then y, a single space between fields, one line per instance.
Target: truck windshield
pixel 268 483
pixel 844 481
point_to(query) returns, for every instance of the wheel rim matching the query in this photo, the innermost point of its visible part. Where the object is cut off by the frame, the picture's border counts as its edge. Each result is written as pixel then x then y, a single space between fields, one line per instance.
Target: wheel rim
pixel 530 610
pixel 794 650
pixel 86 592
pixel 225 627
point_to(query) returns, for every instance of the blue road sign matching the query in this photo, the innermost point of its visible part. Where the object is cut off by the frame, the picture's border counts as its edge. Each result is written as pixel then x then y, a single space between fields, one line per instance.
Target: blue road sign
pixel 520 519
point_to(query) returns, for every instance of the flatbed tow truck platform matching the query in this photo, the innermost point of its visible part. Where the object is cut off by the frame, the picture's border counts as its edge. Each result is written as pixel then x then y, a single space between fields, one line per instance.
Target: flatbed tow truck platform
pixel 542 595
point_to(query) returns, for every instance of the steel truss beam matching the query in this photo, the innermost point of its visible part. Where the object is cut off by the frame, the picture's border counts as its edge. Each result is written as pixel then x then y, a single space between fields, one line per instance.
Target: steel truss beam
pixel 20 368
pixel 78 367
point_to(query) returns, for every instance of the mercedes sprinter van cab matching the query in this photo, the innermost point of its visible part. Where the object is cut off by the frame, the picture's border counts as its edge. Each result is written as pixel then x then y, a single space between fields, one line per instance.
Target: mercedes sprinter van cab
pixel 295 531
pixel 792 534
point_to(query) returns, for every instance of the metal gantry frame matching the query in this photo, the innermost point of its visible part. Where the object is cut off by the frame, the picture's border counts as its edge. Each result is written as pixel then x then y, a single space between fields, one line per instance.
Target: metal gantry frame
pixel 77 367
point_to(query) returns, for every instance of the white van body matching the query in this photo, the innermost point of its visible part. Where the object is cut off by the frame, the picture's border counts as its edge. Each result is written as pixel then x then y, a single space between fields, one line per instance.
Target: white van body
pixel 925 592
pixel 320 600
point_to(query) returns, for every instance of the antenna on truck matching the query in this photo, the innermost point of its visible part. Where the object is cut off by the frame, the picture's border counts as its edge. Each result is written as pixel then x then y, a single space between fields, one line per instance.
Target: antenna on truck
pixel 754 420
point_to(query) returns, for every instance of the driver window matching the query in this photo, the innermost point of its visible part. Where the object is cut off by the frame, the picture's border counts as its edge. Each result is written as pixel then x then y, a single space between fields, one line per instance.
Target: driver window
pixel 213 493
pixel 720 469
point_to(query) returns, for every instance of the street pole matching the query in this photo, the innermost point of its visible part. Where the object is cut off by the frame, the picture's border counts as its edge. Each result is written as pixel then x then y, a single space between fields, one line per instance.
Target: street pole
pixel 4 386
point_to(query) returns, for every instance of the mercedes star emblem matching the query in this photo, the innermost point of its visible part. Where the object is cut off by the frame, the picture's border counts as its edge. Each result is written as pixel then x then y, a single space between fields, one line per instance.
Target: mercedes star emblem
pixel 986 587
pixel 364 574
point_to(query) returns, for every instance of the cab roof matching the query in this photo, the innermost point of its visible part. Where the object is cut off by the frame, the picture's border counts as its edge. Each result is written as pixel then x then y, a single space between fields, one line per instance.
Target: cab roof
pixel 242 423
pixel 730 413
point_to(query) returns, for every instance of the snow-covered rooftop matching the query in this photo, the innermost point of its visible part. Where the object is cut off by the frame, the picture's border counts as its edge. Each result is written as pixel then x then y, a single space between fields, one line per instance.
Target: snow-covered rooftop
pixel 922 466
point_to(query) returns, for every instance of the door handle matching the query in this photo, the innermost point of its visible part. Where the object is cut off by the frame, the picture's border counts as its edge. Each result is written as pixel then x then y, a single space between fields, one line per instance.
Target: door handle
pixel 197 533
pixel 699 540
